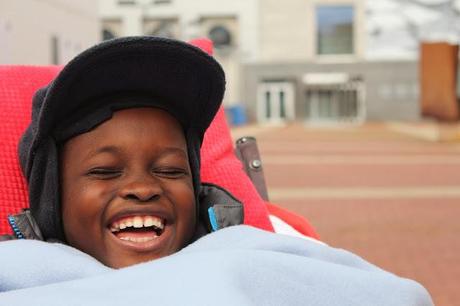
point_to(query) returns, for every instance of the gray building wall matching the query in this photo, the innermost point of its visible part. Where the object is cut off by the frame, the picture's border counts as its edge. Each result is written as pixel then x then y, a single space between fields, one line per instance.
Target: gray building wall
pixel 391 88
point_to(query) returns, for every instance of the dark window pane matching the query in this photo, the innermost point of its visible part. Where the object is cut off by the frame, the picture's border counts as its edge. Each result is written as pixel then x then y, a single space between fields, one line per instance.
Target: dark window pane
pixel 126 2
pixel 268 110
pixel 335 29
pixel 220 36
pixel 55 50
pixel 107 34
pixel 165 29
pixel 308 103
pixel 282 105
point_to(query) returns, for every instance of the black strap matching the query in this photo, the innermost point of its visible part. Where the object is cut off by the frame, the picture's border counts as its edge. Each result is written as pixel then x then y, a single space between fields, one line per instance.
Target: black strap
pixel 6 237
pixel 219 208
pixel 24 226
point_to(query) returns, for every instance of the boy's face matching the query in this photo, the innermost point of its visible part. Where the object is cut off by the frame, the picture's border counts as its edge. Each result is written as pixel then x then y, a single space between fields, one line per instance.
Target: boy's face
pixel 127 192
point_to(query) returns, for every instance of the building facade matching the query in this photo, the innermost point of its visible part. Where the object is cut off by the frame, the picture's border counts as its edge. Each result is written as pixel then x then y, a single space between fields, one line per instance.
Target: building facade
pixel 232 24
pixel 317 61
pixel 43 32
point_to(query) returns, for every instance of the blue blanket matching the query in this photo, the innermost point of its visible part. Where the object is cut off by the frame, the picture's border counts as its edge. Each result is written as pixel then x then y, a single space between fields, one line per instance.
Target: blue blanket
pixel 235 266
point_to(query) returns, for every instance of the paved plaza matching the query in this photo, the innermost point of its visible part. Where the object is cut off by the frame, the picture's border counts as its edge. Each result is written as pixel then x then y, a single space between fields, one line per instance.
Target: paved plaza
pixel 386 192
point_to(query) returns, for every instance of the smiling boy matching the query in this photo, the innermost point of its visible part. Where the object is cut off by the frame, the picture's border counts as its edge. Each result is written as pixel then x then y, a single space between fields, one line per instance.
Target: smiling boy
pixel 112 155
pixel 112 159
pixel 130 184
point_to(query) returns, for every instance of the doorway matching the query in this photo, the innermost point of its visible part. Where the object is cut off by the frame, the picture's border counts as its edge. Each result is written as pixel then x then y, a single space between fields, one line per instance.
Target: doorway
pixel 275 102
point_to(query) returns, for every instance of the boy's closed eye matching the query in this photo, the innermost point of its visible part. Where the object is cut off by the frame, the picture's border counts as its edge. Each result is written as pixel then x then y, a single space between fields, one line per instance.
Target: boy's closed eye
pixel 104 172
pixel 170 172
pixel 110 162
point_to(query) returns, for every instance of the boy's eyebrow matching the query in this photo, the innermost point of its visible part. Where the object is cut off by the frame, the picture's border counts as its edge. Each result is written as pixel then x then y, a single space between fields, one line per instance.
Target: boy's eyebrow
pixel 105 149
pixel 173 150
pixel 115 150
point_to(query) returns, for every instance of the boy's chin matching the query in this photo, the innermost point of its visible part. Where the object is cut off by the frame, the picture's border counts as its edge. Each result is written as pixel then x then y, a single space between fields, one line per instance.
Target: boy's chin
pixel 124 260
pixel 130 261
pixel 122 252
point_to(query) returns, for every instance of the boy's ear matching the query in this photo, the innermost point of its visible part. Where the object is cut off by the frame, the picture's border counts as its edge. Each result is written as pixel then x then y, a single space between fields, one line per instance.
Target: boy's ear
pixel 205 44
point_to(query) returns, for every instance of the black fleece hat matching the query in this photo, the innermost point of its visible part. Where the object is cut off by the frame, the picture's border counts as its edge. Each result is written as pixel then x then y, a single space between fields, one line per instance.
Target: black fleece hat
pixel 128 72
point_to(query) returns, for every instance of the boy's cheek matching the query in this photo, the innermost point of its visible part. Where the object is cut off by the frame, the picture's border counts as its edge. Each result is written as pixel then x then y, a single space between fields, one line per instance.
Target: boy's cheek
pixel 82 213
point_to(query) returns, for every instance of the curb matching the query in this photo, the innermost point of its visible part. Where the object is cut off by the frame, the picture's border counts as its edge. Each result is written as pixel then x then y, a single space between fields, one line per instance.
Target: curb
pixel 429 131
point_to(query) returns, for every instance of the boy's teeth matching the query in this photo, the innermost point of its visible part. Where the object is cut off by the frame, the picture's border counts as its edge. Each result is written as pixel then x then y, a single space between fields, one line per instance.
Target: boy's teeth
pixel 148 221
pixel 137 222
pixel 140 239
pixel 151 221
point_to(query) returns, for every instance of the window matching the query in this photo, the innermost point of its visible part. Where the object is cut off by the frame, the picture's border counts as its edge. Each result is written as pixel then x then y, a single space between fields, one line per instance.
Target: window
pixel 107 34
pixel 111 28
pixel 154 2
pixel 220 36
pixel 55 58
pixel 335 29
pixel 222 30
pixel 275 101
pixel 334 102
pixel 168 28
pixel 126 2
pixel 164 29
pixel 5 41
pixel 159 2
pixel 268 105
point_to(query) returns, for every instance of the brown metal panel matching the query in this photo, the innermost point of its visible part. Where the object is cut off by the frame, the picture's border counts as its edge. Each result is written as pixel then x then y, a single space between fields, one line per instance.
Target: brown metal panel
pixel 248 153
pixel 438 81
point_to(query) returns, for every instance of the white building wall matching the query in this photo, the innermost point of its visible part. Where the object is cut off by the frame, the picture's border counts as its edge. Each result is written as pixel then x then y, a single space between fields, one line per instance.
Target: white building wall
pixel 189 13
pixel 27 28
pixel 191 16
pixel 288 30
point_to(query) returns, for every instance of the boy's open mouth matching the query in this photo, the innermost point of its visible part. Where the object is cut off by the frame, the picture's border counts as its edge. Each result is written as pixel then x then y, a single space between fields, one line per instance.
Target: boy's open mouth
pixel 138 229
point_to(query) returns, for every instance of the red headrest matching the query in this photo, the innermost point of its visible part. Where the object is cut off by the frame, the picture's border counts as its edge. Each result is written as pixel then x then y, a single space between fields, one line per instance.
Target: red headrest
pixel 17 86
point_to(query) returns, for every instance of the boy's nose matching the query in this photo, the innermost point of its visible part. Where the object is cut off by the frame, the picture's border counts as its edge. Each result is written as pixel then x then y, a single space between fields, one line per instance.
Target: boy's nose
pixel 142 190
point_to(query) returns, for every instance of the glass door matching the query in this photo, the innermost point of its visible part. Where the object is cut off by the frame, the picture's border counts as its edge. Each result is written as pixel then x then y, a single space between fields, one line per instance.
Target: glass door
pixel 275 102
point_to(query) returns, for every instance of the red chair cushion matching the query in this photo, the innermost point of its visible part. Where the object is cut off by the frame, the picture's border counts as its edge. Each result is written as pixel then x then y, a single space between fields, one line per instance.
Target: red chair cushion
pixel 17 86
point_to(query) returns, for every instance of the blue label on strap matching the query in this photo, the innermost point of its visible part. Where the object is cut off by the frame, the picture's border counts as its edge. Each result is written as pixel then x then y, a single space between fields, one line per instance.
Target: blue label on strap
pixel 14 227
pixel 213 219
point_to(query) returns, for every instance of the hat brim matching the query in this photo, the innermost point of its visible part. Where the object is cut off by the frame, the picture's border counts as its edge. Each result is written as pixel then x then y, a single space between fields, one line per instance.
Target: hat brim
pixel 179 78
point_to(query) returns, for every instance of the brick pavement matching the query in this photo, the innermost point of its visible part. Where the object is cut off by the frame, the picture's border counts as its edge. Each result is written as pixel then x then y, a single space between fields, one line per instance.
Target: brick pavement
pixel 390 197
